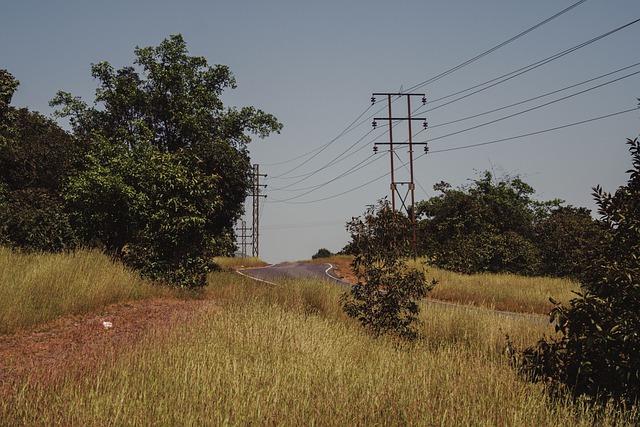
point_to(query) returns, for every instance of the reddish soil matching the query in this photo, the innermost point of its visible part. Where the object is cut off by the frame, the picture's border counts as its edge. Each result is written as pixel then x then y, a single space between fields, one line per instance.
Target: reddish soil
pixel 80 340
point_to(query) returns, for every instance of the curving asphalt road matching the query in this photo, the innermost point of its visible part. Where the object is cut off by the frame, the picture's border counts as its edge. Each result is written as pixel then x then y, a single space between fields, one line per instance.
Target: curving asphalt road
pixel 295 270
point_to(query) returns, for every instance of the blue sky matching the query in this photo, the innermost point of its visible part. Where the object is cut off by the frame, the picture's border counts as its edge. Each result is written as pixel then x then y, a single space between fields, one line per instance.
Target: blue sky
pixel 314 65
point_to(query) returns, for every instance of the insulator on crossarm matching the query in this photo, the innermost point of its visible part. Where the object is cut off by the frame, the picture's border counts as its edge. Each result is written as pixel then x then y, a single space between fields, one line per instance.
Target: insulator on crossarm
pixel 425 124
pixel 375 148
pixel 426 148
pixel 374 124
pixel 373 100
pixel 424 100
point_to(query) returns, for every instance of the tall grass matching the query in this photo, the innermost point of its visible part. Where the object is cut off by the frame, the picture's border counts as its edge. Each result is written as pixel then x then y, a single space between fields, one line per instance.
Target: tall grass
pixel 280 355
pixel 507 292
pixel 37 288
pixel 232 263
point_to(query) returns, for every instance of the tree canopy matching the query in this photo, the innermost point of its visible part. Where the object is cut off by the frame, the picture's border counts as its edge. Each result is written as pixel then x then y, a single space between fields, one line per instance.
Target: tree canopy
pixel 162 167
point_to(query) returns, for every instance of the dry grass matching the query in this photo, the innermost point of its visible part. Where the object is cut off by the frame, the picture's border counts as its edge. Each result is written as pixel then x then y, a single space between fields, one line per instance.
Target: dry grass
pixel 37 288
pixel 506 292
pixel 233 263
pixel 280 355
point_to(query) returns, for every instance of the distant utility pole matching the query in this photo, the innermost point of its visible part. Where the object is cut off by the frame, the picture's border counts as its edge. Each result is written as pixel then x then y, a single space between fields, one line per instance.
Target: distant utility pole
pixel 410 191
pixel 256 208
pixel 243 238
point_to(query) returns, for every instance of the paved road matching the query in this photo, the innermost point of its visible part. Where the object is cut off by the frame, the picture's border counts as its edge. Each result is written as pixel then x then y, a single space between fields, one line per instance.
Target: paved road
pixel 295 270
pixel 301 270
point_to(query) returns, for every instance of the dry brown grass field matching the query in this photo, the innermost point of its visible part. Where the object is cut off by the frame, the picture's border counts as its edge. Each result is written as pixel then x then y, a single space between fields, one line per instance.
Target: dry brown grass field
pixel 242 353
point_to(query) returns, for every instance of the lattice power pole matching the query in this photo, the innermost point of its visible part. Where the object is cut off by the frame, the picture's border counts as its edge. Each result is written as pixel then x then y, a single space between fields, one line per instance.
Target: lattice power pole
pixel 256 209
pixel 243 238
pixel 395 185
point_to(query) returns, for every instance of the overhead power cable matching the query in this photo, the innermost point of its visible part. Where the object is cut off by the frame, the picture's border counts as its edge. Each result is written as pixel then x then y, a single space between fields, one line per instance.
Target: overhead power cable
pixel 534 98
pixel 351 126
pixel 508 76
pixel 495 141
pixel 356 168
pixel 324 147
pixel 533 108
pixel 461 148
pixel 493 49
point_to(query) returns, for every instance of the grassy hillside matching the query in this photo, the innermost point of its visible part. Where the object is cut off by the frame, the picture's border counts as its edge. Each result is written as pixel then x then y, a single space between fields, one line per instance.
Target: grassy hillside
pixel 37 288
pixel 271 355
pixel 286 355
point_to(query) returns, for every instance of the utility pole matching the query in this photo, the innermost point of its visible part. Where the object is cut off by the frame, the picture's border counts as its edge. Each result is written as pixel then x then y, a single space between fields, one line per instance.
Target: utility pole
pixel 410 191
pixel 243 238
pixel 256 208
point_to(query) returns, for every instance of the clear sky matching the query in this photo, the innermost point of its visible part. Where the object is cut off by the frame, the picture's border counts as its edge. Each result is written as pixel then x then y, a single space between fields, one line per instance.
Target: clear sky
pixel 314 65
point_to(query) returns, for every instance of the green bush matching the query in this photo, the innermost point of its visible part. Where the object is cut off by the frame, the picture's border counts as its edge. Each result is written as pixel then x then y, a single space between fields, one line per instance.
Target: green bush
pixel 385 299
pixel 598 351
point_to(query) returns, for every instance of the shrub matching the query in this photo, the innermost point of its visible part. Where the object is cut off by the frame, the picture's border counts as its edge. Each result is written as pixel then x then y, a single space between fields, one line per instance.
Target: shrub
pixel 385 299
pixel 598 352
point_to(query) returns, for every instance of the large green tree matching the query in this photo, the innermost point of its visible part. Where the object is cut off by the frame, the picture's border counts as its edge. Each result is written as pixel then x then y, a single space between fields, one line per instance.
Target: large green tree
pixel 485 226
pixel 166 153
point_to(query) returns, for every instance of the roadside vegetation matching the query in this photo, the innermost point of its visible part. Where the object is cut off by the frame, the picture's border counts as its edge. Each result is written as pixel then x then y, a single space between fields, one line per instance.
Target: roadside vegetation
pixel 288 355
pixel 504 291
pixel 38 288
pixel 234 263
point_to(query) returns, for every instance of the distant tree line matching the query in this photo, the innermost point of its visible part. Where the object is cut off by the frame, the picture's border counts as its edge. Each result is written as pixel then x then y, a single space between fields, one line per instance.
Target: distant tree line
pixel 495 225
pixel 154 172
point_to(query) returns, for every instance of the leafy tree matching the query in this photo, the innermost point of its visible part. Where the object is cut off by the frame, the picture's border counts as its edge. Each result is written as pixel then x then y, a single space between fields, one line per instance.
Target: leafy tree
pixel 485 226
pixel 598 352
pixel 169 169
pixel 36 156
pixel 566 241
pixel 385 299
pixel 322 253
pixel 8 86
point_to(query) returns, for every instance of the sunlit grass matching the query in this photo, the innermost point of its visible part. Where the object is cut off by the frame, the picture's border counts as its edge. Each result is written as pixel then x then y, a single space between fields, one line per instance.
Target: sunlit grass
pixel 230 263
pixel 508 292
pixel 37 288
pixel 280 355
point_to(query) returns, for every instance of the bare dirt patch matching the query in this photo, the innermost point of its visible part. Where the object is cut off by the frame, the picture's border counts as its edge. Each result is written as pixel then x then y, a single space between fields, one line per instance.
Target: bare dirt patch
pixel 80 340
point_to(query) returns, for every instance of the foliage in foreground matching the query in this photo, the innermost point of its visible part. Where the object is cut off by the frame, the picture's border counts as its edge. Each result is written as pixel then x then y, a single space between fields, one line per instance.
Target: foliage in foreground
pixel 598 353
pixel 155 172
pixel 385 299
pixel 272 355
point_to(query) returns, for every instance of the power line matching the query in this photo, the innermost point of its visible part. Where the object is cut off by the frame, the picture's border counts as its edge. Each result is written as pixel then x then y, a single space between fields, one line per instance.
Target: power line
pixel 533 108
pixel 513 74
pixel 493 49
pixel 378 178
pixel 334 161
pixel 351 126
pixel 444 150
pixel 534 98
pixel 356 168
pixel 324 147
